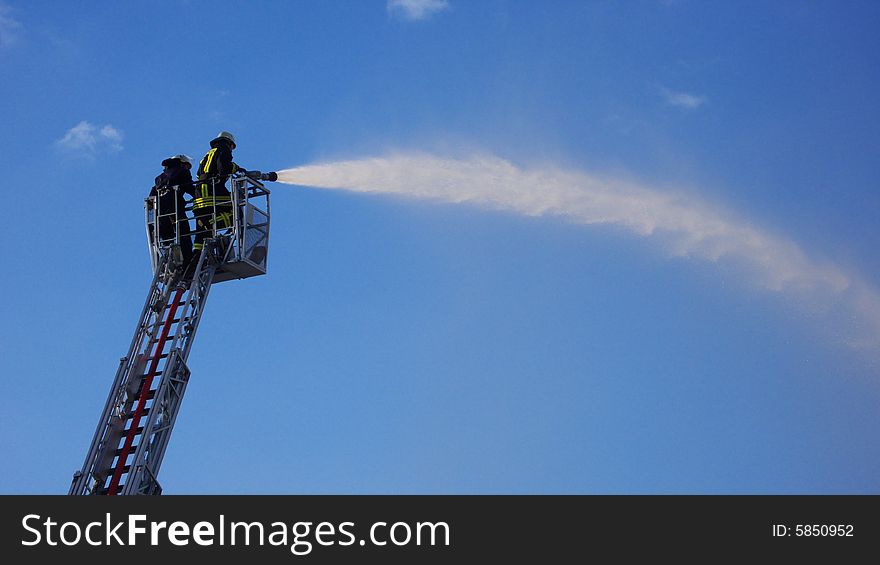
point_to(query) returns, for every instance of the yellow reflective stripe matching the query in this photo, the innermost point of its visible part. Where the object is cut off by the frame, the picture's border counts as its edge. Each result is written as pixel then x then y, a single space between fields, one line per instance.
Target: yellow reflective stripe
pixel 209 158
pixel 211 201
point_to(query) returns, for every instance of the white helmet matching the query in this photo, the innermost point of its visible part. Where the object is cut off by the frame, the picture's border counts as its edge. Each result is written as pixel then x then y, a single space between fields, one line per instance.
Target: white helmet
pixel 184 159
pixel 224 135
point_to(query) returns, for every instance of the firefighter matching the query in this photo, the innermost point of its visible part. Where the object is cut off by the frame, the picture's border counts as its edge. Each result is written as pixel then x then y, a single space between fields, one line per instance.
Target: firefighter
pixel 169 188
pixel 212 205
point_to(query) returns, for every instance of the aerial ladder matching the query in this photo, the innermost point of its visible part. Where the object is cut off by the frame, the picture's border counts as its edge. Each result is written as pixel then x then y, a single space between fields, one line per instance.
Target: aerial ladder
pixel 132 435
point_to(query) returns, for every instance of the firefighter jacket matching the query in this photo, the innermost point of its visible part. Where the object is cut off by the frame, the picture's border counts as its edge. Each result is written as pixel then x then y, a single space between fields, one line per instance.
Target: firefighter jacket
pixel 215 166
pixel 170 200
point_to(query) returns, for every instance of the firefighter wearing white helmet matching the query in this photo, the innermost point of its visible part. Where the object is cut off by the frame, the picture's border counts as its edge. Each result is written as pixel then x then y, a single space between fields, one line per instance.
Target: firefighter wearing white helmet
pixel 185 160
pixel 223 136
pixel 170 187
pixel 212 205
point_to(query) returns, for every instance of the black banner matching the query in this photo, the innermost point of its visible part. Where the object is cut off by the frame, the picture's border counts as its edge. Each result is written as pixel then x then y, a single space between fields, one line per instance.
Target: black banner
pixel 437 529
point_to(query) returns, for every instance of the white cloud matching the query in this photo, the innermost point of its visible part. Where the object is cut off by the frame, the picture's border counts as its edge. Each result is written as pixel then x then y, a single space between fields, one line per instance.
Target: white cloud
pixel 113 137
pixel 87 140
pixel 682 99
pixel 8 27
pixel 416 9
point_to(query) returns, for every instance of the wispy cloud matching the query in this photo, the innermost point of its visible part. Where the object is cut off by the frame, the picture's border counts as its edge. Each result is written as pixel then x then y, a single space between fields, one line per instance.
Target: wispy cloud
pixel 9 27
pixel 416 9
pixel 88 140
pixel 682 99
pixel 682 224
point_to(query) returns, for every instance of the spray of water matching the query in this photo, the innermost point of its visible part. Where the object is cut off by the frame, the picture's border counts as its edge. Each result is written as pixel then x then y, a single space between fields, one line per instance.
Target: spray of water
pixel 675 221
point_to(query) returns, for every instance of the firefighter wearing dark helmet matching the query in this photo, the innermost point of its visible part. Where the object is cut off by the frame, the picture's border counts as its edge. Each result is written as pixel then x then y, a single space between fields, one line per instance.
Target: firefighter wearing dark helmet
pixel 212 205
pixel 169 189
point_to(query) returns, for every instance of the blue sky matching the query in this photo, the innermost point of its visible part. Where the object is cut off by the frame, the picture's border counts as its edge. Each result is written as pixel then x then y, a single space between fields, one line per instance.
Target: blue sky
pixel 402 345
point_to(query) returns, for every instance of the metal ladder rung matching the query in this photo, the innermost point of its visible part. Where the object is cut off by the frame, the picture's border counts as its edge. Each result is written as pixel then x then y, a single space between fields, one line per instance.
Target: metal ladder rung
pixel 118 452
pixel 144 412
pixel 142 377
pixel 150 395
